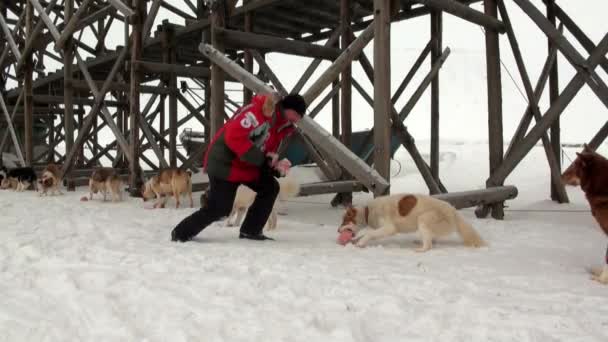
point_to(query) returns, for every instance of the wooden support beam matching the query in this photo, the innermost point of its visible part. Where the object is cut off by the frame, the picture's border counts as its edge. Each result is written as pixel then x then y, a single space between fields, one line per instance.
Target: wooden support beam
pixel 382 88
pixel 353 50
pixel 575 30
pixel 320 188
pixel 437 42
pixel 495 129
pixel 248 58
pixel 28 102
pixel 247 40
pixel 413 70
pixel 70 27
pixel 135 177
pixel 122 7
pixel 560 191
pixel 11 128
pixel 31 40
pixel 569 92
pixel 464 12
pixel 407 141
pixel 428 79
pixel 68 93
pixel 8 35
pixel 178 70
pixel 470 199
pixel 522 128
pixel 150 19
pixel 595 82
pixel 172 102
pixel 176 10
pixel 268 72
pixel 321 138
pixel 333 39
pixel 218 22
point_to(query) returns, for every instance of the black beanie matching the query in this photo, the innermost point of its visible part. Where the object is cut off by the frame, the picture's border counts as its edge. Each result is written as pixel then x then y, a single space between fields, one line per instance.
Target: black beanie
pixel 295 102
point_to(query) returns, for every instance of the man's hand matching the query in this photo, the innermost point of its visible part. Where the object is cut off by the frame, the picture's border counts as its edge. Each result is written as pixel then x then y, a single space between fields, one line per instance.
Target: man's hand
pixel 283 166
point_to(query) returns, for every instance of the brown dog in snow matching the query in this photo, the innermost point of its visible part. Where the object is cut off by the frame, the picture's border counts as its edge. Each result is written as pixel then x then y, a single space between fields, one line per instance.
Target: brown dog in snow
pixel 168 182
pixel 105 180
pixel 50 180
pixel 590 171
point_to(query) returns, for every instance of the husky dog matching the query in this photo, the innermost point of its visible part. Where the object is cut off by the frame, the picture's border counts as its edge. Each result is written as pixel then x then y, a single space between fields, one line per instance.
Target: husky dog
pixel 168 182
pixel 289 188
pixel 405 213
pixel 105 180
pixel 19 179
pixel 50 180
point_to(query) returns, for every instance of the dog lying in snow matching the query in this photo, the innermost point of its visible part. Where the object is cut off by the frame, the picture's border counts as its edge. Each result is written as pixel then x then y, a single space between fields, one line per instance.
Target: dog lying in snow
pixel 19 179
pixel 590 171
pixel 168 182
pixel 244 198
pixel 50 180
pixel 105 180
pixel 406 213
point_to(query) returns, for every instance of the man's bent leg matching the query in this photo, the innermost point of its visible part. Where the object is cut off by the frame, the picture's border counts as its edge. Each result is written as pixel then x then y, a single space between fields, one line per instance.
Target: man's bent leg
pixel 221 197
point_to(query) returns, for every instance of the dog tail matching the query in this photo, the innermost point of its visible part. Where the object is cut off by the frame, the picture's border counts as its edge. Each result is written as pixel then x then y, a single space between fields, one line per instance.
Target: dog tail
pixel 289 187
pixel 469 235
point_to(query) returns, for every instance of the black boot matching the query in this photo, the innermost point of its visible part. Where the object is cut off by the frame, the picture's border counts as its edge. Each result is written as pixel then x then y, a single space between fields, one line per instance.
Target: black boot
pixel 257 237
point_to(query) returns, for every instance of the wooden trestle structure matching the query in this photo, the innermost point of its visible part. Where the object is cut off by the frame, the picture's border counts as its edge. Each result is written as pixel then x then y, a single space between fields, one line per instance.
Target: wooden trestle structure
pixel 220 42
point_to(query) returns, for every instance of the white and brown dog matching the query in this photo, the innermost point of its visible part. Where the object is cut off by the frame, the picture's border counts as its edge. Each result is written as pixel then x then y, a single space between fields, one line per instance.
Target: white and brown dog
pixel 168 182
pixel 105 180
pixel 51 178
pixel 406 213
pixel 288 188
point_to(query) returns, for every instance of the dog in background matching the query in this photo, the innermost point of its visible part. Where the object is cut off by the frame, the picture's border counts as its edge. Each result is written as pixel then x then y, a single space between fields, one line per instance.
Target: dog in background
pixel 19 179
pixel 168 182
pixel 105 180
pixel 405 213
pixel 50 180
pixel 590 171
pixel 244 198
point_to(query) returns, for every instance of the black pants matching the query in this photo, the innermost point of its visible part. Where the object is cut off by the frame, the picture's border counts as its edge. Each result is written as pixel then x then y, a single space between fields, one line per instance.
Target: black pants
pixel 221 196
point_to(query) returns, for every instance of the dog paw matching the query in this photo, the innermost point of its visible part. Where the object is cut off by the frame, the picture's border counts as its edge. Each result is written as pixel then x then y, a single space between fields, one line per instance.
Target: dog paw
pixel 422 249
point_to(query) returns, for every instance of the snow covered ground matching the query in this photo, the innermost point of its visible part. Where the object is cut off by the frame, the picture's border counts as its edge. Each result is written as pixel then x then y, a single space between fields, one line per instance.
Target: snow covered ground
pixel 92 271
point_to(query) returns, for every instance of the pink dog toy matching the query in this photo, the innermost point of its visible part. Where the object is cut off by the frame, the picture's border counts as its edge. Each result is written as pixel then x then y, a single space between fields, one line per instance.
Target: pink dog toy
pixel 346 235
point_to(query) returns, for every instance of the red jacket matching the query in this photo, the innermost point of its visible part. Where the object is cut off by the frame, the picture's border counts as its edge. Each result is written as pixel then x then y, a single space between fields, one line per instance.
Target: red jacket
pixel 239 148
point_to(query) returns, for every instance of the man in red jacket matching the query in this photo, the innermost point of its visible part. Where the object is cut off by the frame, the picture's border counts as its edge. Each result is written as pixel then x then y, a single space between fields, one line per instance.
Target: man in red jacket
pixel 244 152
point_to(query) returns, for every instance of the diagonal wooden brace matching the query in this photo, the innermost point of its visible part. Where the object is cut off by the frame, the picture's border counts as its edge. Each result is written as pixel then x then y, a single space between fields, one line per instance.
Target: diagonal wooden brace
pixel 567 95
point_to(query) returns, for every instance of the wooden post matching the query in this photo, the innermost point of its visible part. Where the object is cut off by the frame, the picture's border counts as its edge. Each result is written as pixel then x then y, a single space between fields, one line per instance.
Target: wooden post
pixel 80 160
pixel 248 58
pixel 335 112
pixel 172 97
pixel 437 42
pixel 346 89
pixel 27 83
pixel 68 94
pixel 217 74
pixel 382 88
pixel 553 95
pixel 561 193
pixel 137 21
pixel 494 100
